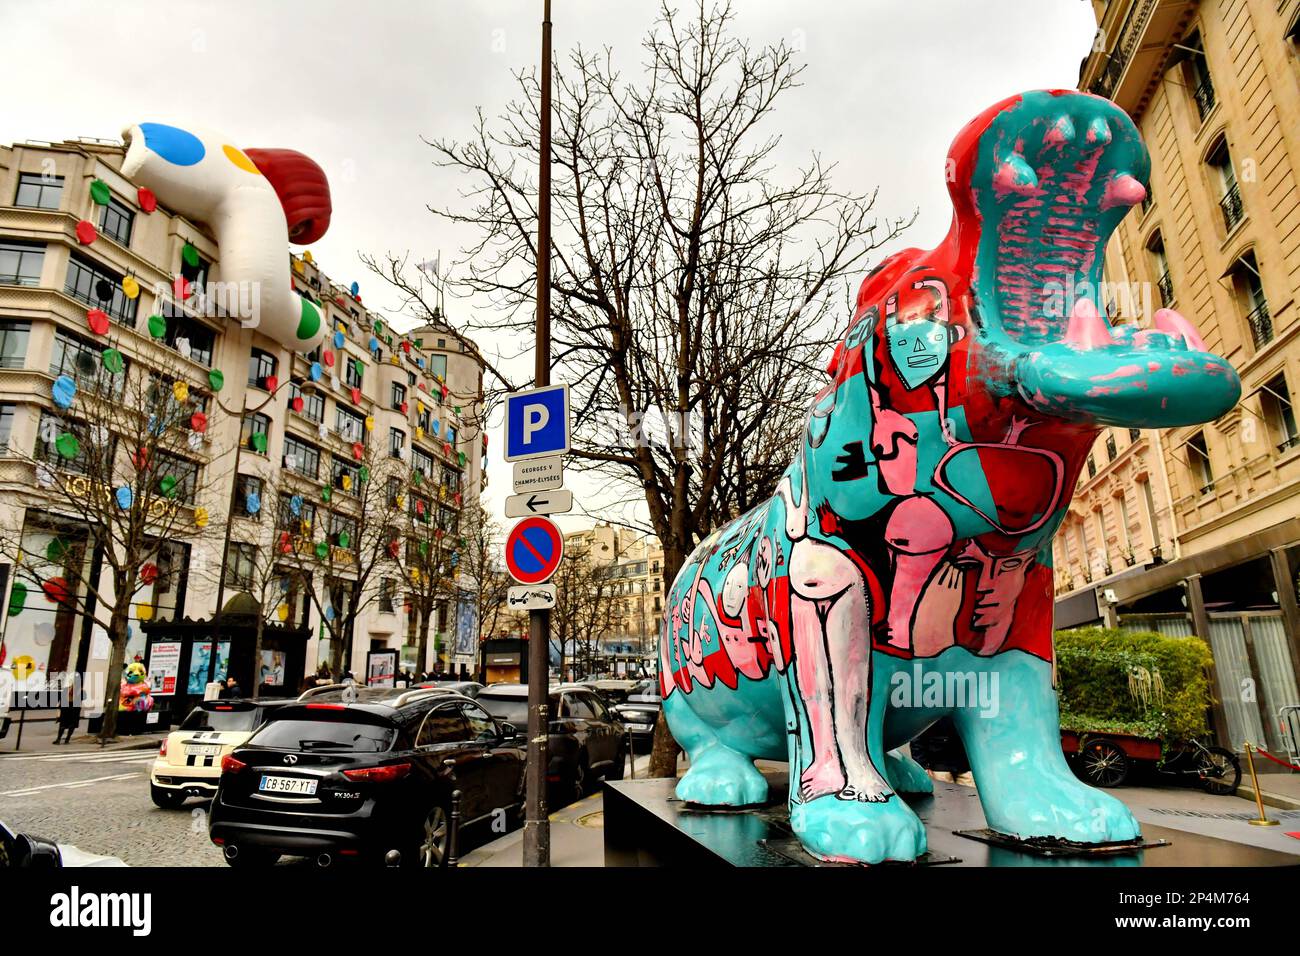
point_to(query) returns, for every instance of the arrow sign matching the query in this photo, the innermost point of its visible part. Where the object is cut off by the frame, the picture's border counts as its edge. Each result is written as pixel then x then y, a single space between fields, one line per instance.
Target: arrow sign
pixel 538 597
pixel 534 548
pixel 539 503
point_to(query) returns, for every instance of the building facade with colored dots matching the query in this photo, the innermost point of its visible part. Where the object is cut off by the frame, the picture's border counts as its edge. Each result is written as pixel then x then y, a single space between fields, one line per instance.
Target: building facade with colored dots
pixel 417 396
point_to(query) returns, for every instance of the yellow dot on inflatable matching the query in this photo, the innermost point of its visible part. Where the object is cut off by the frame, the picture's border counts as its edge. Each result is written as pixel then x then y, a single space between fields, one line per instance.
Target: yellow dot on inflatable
pixel 419 432
pixel 181 391
pixel 370 423
pixel 201 517
pixel 306 256
pixel 415 574
pixel 401 501
pixel 282 612
pixel 419 408
pixel 304 526
pixel 298 267
pixel 24 667
pixel 240 160
pixel 347 482
pixel 144 612
pixel 396 360
pixel 130 288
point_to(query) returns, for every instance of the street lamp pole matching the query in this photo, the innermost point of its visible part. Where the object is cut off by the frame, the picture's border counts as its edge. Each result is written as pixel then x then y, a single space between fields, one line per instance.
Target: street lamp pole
pixel 537 828
pixel 225 546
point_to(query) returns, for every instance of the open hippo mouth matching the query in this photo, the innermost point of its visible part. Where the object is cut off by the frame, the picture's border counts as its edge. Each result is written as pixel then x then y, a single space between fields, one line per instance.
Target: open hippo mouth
pixel 1053 176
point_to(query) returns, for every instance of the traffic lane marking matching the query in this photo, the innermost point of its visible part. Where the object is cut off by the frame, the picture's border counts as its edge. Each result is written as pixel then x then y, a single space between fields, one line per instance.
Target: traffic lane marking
pixel 132 757
pixel 25 791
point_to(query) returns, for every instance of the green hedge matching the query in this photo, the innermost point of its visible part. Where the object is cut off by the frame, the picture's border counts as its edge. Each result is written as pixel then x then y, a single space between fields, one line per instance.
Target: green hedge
pixel 1097 694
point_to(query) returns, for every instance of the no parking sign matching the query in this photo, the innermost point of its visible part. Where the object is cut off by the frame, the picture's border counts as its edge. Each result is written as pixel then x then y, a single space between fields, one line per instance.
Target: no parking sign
pixel 534 548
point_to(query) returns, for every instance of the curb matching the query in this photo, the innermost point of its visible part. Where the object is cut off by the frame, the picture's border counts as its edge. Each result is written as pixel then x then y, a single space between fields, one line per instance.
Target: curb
pixel 1246 792
pixel 88 745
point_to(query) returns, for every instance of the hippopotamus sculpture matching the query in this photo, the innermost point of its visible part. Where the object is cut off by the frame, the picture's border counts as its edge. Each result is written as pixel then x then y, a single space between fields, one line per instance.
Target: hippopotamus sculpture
pixel 902 572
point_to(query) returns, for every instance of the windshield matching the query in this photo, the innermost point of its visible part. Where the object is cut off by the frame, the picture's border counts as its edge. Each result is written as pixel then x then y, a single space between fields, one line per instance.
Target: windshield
pixel 513 710
pixel 201 719
pixel 325 735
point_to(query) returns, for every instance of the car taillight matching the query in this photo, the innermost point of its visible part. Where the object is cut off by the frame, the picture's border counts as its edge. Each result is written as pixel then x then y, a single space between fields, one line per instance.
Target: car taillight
pixel 162 751
pixel 385 774
pixel 326 707
pixel 231 765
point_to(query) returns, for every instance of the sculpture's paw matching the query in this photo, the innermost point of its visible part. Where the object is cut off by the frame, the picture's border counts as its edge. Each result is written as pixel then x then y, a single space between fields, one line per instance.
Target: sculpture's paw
pixel 820 779
pixel 846 831
pixel 906 775
pixel 719 777
pixel 1063 807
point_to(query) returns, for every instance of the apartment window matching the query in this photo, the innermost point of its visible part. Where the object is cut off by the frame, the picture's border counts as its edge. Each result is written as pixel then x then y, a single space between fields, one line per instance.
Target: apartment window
pixel 1280 413
pixel 313 403
pixel 387 591
pixel 1149 504
pixel 399 395
pixel 1148 199
pixel 47 452
pixel 419 508
pixel 410 379
pixel 301 457
pixel 438 365
pixel 6 427
pixel 345 469
pixel 396 442
pixel 1250 286
pixel 185 475
pixel 81 360
pixel 1198 73
pixel 180 326
pixel 1225 179
pixel 1198 458
pixel 350 425
pixel 241 563
pixel 343 530
pixel 286 520
pixel 20 263
pixel 1133 435
pixel 100 288
pixel 1121 504
pixel 1092 466
pixel 196 274
pixel 1111 450
pixel 249 485
pixel 261 366
pixel 38 191
pixel 13 343
pixel 1161 262
pixel 355 370
pixel 116 220
pixel 422 462
pixel 255 432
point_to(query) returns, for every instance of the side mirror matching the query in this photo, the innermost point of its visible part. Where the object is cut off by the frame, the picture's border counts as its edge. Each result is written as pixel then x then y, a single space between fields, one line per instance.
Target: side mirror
pixel 508 730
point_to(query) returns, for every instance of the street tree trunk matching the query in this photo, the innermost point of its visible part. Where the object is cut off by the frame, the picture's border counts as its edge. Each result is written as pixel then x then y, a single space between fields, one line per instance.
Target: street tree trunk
pixel 663 753
pixel 422 637
pixel 116 664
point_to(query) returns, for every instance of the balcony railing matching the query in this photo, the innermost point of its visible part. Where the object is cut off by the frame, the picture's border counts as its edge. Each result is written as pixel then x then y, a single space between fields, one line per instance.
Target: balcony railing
pixel 1261 325
pixel 1125 44
pixel 1204 96
pixel 1233 211
pixel 1166 286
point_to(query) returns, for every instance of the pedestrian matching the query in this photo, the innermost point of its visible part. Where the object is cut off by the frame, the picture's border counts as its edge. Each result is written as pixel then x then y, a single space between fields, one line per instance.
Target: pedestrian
pixel 231 689
pixel 69 714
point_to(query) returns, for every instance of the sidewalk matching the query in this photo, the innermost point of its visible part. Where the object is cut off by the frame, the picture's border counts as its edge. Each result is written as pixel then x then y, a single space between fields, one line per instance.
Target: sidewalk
pixel 38 738
pixel 1281 790
pixel 577 839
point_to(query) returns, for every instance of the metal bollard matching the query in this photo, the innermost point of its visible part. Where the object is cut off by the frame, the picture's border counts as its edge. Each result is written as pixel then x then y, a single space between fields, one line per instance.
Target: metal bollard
pixel 454 837
pixel 631 755
pixel 1263 820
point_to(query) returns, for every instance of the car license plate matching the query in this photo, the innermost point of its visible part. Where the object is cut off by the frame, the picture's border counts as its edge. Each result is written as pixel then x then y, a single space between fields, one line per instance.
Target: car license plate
pixel 202 750
pixel 639 726
pixel 294 785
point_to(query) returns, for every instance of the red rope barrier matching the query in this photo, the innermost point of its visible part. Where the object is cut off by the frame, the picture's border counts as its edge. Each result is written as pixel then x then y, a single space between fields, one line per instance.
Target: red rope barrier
pixel 1276 760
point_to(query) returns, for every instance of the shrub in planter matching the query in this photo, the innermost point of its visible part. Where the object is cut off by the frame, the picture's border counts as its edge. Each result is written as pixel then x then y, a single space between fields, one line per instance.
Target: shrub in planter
pixel 1136 682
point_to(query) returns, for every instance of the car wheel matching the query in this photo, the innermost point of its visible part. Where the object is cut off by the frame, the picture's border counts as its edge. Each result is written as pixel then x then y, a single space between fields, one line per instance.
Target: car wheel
pixel 435 839
pixel 616 769
pixel 166 799
pixel 580 775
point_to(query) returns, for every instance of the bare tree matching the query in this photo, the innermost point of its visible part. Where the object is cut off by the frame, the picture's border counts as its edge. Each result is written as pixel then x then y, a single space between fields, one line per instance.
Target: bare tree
pixel 480 564
pixel 586 607
pixel 695 283
pixel 118 462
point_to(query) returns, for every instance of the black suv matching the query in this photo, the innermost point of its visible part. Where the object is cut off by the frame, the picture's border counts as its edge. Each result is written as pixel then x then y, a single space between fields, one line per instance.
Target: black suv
pixel 349 773
pixel 586 741
pixel 640 712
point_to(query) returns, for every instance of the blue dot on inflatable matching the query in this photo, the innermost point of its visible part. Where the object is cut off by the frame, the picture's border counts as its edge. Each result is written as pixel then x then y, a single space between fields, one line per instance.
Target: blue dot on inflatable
pixel 295 505
pixel 420 362
pixel 338 339
pixel 124 497
pixel 175 145
pixel 355 289
pixel 329 614
pixel 315 371
pixel 374 344
pixel 65 390
pixel 253 502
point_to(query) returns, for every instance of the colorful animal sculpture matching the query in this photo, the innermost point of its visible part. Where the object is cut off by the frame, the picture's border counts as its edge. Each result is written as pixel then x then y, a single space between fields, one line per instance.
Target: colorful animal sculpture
pixel 903 570
pixel 255 201
pixel 133 693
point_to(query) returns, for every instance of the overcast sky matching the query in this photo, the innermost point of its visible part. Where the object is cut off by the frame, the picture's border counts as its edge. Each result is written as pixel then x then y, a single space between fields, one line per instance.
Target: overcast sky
pixel 355 85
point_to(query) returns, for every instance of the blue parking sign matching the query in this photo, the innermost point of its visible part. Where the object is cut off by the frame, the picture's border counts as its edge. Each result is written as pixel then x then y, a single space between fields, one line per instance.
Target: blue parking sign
pixel 537 422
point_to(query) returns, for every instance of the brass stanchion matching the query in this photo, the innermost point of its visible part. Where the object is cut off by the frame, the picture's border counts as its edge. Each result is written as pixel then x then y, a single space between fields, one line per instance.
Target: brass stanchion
pixel 1263 820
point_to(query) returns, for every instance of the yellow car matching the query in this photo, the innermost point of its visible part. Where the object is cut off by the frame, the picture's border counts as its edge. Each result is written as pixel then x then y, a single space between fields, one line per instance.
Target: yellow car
pixel 189 760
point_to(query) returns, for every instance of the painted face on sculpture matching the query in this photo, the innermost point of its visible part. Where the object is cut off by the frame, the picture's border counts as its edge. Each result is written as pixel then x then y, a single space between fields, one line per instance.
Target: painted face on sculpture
pixel 998 581
pixel 918 349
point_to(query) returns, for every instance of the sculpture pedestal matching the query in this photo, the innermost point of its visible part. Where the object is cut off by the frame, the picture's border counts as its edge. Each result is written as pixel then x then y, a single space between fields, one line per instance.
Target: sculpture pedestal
pixel 646 825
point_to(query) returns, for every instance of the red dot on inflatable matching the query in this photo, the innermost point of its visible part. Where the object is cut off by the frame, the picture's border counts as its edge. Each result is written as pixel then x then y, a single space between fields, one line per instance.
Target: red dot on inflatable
pixel 271 382
pixel 358 450
pixel 297 403
pixel 86 233
pixel 181 286
pixel 97 319
pixel 149 573
pixel 199 422
pixel 328 358
pixel 147 200
pixel 356 396
pixel 56 591
pixel 405 408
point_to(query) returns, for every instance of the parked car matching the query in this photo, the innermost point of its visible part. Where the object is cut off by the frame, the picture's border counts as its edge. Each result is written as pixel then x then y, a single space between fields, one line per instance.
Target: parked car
pixel 640 712
pixel 614 691
pixel 587 741
pixel 189 760
pixel 360 773
pixel 470 688
pixel 20 850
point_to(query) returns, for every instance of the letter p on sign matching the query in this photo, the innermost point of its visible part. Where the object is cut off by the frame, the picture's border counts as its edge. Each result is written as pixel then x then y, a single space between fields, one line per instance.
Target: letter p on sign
pixel 537 422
